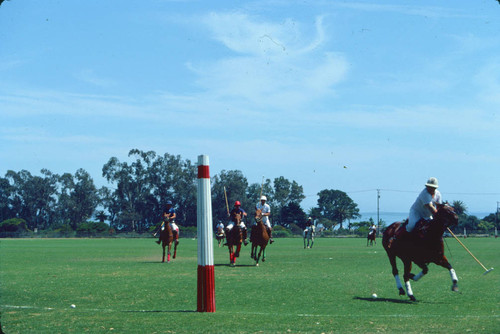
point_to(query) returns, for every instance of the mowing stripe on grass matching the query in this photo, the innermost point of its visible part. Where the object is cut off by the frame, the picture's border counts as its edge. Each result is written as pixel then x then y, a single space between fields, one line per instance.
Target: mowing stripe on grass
pixel 398 315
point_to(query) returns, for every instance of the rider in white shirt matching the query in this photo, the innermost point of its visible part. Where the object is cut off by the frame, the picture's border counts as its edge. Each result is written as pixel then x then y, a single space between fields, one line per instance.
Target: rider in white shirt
pixel 266 212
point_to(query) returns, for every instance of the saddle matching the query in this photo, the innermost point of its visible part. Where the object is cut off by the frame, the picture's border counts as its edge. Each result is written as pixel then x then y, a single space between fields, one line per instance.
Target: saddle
pixel 419 231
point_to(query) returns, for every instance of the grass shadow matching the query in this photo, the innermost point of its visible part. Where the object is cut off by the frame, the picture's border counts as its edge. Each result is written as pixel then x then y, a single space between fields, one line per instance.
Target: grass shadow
pixel 390 300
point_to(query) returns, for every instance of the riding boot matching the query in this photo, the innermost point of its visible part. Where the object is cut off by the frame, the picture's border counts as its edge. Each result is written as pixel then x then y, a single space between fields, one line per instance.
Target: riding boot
pixel 400 234
pixel 269 232
pixel 245 236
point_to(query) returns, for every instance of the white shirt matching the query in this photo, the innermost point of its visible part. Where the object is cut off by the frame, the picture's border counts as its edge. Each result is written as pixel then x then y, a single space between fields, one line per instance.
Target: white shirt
pixel 264 209
pixel 419 209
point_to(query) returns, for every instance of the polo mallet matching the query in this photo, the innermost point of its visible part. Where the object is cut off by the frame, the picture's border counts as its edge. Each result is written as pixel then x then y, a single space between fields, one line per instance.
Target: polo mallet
pixel 159 228
pixel 468 251
pixel 261 187
pixel 227 205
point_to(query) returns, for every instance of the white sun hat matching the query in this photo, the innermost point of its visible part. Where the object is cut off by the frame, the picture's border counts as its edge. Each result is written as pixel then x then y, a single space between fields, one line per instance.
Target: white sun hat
pixel 432 182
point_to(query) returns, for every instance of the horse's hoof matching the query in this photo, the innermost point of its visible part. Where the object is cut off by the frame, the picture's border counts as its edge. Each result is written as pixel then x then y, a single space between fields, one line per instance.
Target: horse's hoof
pixel 401 292
pixel 454 288
pixel 412 298
pixel 263 260
pixel 237 254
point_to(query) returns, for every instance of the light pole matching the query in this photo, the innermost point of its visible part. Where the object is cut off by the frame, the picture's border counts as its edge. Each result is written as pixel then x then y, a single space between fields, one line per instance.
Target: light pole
pixel 378 212
pixel 496 214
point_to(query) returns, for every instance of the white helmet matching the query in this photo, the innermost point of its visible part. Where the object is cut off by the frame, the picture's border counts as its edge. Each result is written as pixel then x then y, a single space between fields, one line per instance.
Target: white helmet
pixel 263 198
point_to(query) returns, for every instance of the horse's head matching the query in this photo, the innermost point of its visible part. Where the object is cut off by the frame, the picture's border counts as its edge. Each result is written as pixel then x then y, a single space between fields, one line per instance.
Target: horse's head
pixel 258 215
pixel 446 215
pixel 236 217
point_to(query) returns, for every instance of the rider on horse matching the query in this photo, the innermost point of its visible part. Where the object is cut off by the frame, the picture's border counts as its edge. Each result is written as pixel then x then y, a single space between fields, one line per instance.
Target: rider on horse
pixel 232 215
pixel 308 224
pixel 266 212
pixel 373 229
pixel 169 218
pixel 423 208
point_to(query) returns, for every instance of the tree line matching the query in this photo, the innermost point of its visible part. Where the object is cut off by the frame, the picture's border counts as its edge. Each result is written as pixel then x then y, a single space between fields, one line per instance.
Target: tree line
pixel 138 189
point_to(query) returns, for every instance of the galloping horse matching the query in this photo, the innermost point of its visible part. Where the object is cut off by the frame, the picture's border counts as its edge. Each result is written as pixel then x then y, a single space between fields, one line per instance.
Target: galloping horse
pixel 166 237
pixel 371 238
pixel 234 238
pixel 309 233
pixel 425 245
pixel 220 235
pixel 259 239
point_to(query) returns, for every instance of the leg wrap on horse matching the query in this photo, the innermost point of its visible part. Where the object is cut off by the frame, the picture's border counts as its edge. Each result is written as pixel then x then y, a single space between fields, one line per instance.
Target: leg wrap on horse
pixel 453 275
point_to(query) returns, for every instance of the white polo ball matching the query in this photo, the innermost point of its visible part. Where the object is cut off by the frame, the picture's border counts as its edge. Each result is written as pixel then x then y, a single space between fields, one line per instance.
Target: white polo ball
pixel 73 305
pixel 374 295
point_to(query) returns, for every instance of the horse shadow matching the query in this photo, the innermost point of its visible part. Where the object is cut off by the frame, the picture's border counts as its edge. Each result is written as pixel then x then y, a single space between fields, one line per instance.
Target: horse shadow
pixel 159 311
pixel 229 265
pixel 390 300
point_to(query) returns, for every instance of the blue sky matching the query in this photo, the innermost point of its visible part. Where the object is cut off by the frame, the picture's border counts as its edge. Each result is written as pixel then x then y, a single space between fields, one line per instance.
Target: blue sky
pixel 349 95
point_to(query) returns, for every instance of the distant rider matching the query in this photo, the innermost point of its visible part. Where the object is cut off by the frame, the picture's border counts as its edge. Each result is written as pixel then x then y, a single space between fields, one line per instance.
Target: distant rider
pixel 169 218
pixel 266 212
pixel 232 216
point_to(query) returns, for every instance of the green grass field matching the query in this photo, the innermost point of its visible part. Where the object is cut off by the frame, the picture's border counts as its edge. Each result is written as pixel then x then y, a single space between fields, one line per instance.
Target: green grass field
pixel 119 285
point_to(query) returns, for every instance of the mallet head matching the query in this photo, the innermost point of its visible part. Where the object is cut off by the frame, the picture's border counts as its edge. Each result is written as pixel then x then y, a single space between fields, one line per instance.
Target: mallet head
pixel 487 271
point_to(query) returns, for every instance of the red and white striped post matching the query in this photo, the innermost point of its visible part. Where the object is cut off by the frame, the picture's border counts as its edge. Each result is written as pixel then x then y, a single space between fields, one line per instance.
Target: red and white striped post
pixel 206 279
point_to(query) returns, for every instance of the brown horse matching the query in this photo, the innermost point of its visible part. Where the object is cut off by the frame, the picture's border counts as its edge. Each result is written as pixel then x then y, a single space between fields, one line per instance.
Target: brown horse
pixel 234 239
pixel 371 238
pixel 259 239
pixel 220 235
pixel 167 237
pixel 423 246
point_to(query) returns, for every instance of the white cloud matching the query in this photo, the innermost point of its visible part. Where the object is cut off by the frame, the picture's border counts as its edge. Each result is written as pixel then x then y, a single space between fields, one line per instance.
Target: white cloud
pixel 89 76
pixel 271 64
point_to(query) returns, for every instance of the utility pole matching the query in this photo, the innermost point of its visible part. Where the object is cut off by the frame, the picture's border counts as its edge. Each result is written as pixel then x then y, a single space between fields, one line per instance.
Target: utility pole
pixel 378 212
pixel 496 214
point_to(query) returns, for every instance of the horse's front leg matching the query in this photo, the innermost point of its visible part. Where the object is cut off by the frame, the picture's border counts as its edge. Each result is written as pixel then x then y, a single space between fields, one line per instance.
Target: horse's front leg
pixel 406 277
pixel 163 257
pixel 305 242
pixel 312 242
pixel 257 256
pixel 231 255
pixel 169 249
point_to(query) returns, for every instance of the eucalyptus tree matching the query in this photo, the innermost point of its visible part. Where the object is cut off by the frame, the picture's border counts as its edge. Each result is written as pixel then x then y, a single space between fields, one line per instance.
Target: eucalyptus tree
pixel 78 198
pixel 235 185
pixel 285 192
pixel 337 206
pixel 33 198
pixel 175 179
pixel 143 186
pixel 5 194
pixel 293 213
